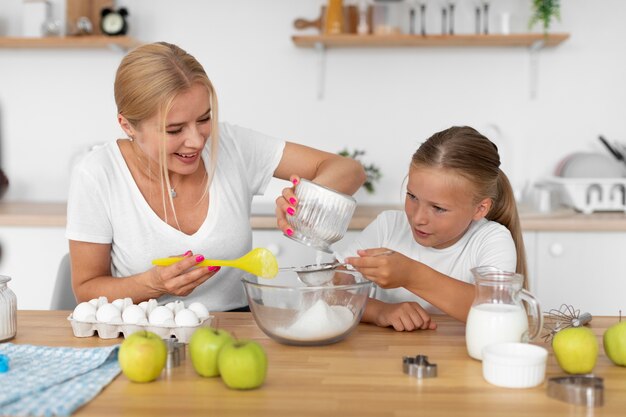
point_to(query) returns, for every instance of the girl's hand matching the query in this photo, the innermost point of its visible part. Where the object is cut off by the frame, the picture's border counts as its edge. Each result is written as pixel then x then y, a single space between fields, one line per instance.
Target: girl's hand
pixel 181 278
pixel 286 206
pixel 406 317
pixel 387 271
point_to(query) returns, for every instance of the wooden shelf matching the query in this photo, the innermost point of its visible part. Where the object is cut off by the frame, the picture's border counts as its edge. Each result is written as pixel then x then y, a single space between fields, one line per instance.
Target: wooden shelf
pixel 351 40
pixel 87 41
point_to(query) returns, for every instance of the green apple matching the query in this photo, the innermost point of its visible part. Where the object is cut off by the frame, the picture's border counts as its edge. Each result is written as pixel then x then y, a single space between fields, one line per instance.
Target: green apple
pixel 243 364
pixel 204 347
pixel 142 356
pixel 615 343
pixel 576 350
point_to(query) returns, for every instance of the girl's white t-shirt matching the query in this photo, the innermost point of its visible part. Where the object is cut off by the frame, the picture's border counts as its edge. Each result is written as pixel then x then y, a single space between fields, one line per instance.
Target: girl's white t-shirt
pixel 105 206
pixel 485 243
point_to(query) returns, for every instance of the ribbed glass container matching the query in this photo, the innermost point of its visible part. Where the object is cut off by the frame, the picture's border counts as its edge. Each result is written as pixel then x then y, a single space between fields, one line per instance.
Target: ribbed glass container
pixel 8 310
pixel 322 215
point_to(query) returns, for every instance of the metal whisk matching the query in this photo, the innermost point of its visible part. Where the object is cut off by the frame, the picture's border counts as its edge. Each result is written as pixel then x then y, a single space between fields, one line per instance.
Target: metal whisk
pixel 566 316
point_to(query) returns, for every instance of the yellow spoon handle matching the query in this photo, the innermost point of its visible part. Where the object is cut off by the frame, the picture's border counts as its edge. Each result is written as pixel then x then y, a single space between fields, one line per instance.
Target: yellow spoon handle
pixel 172 260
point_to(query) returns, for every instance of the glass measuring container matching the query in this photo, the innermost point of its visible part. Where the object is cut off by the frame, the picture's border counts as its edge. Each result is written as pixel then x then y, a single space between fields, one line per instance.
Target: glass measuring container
pixel 322 215
pixel 497 314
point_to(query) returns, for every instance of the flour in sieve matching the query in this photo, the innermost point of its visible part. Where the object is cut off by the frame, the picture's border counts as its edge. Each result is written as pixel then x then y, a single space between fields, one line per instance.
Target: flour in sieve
pixel 319 322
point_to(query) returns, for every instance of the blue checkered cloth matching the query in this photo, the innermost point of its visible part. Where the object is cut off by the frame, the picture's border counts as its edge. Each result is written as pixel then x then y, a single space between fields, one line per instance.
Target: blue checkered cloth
pixel 54 381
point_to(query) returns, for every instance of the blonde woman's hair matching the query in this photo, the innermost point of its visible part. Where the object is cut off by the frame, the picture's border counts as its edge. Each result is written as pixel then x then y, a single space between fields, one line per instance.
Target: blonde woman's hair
pixel 469 154
pixel 146 83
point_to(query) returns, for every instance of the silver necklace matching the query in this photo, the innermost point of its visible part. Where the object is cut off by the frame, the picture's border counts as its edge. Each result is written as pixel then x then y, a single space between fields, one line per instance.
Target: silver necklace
pixel 173 192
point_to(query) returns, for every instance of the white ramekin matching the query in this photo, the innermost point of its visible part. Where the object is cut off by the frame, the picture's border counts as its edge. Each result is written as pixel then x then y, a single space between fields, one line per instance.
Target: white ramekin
pixel 514 365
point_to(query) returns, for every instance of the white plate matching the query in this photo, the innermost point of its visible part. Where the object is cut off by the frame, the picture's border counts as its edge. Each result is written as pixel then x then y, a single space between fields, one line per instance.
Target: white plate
pixel 590 165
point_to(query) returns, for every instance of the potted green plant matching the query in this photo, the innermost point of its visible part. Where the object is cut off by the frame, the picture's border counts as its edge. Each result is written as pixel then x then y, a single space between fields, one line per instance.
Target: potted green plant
pixel 545 11
pixel 372 172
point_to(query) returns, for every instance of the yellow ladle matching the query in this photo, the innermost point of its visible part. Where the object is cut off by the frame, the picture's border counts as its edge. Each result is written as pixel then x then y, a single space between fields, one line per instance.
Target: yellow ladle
pixel 259 261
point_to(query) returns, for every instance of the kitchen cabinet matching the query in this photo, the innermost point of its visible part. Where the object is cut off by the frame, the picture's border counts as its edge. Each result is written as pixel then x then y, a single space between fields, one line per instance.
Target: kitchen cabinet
pixel 572 258
pixel 31 256
pixel 88 41
pixel 584 269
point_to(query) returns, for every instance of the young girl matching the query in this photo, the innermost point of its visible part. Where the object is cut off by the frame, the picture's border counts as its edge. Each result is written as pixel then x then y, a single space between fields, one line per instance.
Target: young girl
pixel 180 183
pixel 459 213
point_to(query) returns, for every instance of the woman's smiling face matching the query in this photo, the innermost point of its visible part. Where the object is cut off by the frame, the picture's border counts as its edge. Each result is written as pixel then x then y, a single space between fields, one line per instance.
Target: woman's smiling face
pixel 187 128
pixel 440 206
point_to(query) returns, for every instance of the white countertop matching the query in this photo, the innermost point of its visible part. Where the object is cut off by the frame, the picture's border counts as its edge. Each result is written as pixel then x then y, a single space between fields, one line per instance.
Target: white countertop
pixel 31 214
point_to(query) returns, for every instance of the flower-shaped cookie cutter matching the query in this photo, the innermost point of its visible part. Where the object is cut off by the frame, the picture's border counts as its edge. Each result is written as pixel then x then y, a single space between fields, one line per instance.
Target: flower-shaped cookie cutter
pixel 419 367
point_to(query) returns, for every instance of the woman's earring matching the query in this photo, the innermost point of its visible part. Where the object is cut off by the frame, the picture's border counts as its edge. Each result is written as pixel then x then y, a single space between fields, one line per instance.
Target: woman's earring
pixel 131 138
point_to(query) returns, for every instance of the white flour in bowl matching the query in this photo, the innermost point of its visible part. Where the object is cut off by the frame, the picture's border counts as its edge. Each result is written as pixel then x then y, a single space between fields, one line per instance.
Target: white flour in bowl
pixel 319 322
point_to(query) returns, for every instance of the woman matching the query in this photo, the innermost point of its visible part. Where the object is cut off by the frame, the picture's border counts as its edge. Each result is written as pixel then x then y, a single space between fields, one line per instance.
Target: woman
pixel 180 183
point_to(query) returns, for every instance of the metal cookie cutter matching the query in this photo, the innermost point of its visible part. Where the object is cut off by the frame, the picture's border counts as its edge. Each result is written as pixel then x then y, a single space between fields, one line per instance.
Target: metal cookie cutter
pixel 580 390
pixel 175 352
pixel 419 367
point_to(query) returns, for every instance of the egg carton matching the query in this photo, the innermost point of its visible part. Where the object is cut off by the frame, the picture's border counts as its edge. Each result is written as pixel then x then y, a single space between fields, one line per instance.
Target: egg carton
pixel 591 194
pixel 112 331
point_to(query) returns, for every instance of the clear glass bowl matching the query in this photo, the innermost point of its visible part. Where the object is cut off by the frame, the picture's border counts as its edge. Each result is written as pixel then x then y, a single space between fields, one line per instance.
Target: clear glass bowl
pixel 309 316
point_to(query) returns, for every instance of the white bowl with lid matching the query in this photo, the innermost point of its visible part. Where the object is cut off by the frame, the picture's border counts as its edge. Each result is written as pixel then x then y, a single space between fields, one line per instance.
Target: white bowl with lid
pixel 514 365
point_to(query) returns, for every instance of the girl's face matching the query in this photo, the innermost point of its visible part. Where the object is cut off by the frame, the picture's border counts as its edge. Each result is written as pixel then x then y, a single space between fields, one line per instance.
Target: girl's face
pixel 440 206
pixel 187 128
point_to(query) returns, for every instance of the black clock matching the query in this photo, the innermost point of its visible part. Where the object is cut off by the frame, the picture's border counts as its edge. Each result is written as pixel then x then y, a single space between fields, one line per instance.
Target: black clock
pixel 113 22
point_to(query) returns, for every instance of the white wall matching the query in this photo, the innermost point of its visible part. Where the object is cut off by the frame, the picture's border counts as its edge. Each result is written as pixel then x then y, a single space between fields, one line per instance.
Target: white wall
pixel 55 103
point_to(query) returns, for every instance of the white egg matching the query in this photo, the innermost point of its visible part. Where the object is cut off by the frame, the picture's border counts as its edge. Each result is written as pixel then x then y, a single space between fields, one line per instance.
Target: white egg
pixel 119 303
pixel 200 309
pixel 108 313
pixel 178 305
pixel 133 314
pixel 83 311
pixel 127 302
pixel 102 300
pixel 170 305
pixel 144 306
pixel 186 317
pixel 152 304
pixel 160 315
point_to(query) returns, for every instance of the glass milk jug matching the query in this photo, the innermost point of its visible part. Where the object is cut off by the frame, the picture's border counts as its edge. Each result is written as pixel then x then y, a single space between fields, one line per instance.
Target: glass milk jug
pixel 8 307
pixel 497 314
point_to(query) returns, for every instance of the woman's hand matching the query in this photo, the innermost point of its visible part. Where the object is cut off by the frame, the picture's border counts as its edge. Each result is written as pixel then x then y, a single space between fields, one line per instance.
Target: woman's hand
pixel 286 206
pixel 387 271
pixel 181 278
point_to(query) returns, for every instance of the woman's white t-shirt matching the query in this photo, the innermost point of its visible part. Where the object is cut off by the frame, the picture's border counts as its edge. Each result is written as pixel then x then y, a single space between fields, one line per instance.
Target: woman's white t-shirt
pixel 105 206
pixel 485 243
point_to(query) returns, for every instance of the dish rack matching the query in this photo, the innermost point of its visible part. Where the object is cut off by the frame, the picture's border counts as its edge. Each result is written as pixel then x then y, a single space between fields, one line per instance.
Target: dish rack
pixel 591 194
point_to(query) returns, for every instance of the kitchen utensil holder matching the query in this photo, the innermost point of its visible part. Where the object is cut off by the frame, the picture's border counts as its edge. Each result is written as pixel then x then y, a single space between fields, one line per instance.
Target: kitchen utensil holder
pixel 588 195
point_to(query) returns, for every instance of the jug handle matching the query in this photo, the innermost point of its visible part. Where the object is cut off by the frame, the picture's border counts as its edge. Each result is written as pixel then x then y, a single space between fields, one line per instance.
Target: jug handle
pixel 532 301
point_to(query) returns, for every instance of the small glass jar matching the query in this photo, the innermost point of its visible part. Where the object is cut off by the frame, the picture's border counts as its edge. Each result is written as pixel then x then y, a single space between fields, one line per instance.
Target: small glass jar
pixel 8 310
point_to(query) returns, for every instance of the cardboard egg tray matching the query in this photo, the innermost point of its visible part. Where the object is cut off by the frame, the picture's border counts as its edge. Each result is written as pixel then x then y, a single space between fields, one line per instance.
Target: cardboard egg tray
pixel 112 331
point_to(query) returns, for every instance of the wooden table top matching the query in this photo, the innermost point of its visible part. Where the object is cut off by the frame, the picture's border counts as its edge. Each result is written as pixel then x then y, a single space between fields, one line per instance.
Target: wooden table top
pixel 359 376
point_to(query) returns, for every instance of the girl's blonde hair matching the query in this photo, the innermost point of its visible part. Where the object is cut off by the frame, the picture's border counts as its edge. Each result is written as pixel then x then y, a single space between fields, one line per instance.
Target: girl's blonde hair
pixel 471 155
pixel 146 83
